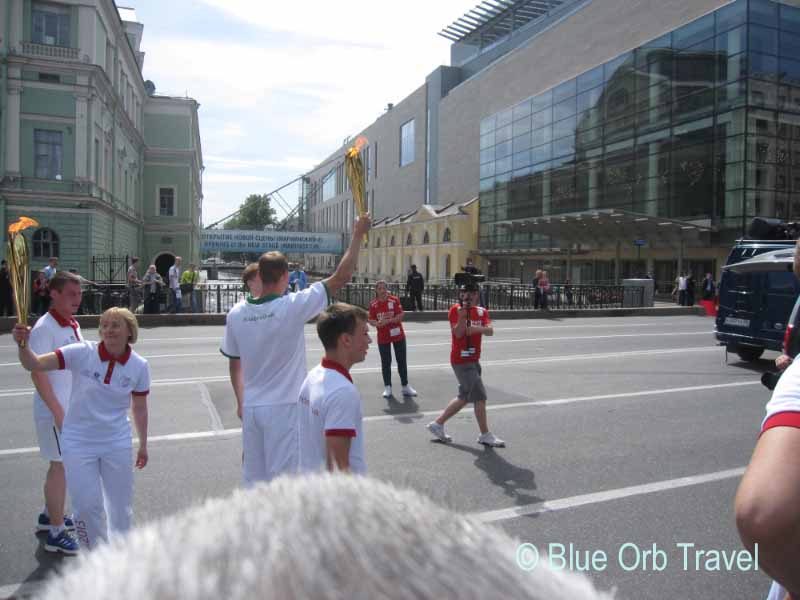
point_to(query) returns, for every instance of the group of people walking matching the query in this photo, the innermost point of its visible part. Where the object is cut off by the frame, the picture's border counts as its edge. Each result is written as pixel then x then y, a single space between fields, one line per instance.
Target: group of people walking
pixel 685 290
pixel 293 421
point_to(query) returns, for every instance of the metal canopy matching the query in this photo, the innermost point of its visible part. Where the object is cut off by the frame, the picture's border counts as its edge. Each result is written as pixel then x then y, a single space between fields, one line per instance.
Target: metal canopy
pixel 493 19
pixel 604 228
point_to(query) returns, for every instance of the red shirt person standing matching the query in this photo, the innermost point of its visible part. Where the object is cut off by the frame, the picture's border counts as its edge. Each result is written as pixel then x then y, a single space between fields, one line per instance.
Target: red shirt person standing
pixel 469 323
pixel 386 315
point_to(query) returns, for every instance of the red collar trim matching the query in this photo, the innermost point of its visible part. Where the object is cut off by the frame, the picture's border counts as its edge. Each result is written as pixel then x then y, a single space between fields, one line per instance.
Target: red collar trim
pixel 332 364
pixel 105 356
pixel 71 322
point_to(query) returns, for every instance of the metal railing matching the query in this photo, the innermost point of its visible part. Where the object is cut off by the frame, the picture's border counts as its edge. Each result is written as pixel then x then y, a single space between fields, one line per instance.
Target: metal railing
pixel 221 297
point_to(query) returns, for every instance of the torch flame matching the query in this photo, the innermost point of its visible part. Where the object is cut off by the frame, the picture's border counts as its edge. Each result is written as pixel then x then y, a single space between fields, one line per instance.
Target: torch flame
pixel 23 223
pixel 360 142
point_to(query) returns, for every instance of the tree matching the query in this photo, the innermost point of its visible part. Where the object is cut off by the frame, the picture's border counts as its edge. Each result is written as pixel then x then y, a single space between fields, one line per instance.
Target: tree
pixel 255 212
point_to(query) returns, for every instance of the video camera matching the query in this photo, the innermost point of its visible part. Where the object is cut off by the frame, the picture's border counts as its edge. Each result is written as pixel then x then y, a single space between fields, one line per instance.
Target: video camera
pixel 762 228
pixel 461 279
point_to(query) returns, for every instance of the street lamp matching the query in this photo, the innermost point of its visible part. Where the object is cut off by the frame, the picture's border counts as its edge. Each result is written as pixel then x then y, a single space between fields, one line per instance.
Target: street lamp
pixel 521 272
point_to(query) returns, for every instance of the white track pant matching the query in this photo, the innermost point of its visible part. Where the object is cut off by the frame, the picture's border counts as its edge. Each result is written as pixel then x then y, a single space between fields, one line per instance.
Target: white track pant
pixel 269 441
pixel 100 485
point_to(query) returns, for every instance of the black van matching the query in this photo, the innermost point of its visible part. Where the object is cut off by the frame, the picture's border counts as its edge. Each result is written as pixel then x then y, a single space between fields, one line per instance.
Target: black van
pixel 754 308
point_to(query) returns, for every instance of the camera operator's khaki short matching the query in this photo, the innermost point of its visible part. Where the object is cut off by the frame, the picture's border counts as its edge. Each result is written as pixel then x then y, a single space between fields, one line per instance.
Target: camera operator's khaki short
pixel 470 384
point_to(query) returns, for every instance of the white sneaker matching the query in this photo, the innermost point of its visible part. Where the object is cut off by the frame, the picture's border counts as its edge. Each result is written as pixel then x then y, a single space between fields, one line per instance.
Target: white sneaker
pixel 489 439
pixel 438 431
pixel 409 391
pixel 387 391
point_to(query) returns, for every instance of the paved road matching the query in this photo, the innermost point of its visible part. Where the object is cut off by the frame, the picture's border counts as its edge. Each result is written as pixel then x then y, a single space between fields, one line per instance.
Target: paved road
pixel 620 431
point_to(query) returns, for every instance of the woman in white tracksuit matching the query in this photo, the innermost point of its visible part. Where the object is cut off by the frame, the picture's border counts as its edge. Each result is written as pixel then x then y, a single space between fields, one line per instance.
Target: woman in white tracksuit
pixel 108 379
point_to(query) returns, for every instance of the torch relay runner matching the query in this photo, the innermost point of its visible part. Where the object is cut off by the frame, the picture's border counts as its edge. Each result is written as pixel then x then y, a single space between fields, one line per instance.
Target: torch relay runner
pixel 265 345
pixel 108 380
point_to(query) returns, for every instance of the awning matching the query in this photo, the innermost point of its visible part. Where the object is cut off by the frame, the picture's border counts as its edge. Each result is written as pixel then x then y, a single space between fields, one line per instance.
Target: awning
pixel 604 228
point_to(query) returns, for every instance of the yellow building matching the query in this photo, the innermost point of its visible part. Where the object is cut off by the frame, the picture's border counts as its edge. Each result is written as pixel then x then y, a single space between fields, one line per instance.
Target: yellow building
pixel 438 239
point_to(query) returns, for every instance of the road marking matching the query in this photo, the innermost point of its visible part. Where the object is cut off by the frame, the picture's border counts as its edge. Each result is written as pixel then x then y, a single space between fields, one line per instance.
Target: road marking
pixel 224 433
pixel 486 342
pixel 538 508
pixel 435 366
pixel 21 590
pixel 205 398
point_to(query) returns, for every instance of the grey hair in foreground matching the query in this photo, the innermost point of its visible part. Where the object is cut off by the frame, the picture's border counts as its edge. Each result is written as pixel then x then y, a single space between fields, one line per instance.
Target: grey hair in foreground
pixel 325 537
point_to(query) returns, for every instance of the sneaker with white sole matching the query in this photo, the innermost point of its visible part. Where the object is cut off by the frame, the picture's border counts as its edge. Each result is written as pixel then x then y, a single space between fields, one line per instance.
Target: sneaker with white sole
pixel 438 431
pixel 63 542
pixel 490 439
pixel 387 391
pixel 409 391
pixel 43 523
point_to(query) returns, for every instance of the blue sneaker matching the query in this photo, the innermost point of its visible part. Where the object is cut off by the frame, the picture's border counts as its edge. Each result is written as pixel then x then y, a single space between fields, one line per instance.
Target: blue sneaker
pixel 43 524
pixel 63 543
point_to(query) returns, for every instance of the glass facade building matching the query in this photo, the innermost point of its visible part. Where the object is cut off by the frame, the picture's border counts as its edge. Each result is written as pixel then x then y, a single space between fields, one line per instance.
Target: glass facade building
pixel 700 125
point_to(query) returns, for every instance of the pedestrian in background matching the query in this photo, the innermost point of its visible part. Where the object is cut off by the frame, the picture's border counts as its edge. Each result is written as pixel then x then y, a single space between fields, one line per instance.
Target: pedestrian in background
pixel 415 284
pixel 51 268
pixel 152 283
pixel 544 289
pixel 298 280
pixel 174 280
pixel 689 289
pixel 386 315
pixel 680 286
pixel 134 285
pixel 109 379
pixel 6 294
pixel 709 287
pixel 189 281
pixel 537 292
pixel 41 294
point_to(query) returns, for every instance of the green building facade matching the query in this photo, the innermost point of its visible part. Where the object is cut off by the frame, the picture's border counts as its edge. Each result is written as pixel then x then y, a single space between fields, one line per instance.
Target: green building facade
pixel 107 167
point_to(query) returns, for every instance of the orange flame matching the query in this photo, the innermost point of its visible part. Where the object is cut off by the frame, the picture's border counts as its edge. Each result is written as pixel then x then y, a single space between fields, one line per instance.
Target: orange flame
pixel 360 142
pixel 23 223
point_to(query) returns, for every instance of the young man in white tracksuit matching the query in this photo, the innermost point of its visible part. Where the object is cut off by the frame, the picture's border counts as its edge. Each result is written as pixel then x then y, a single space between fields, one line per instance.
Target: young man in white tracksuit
pixel 55 329
pixel 109 379
pixel 264 341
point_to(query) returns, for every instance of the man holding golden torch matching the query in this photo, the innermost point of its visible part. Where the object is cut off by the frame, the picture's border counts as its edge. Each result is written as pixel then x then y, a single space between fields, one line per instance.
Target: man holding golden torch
pixel 52 390
pixel 354 168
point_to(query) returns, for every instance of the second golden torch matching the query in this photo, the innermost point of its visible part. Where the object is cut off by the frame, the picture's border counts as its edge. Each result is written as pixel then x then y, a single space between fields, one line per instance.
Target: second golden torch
pixel 354 169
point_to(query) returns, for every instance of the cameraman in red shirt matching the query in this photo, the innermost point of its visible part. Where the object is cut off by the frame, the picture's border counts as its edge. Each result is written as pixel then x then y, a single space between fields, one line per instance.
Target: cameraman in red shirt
pixel 386 315
pixel 469 323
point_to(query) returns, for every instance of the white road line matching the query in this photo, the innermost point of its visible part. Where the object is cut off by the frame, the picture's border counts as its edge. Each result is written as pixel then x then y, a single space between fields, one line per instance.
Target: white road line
pixel 538 508
pixel 437 366
pixel 194 435
pixel 486 342
pixel 205 398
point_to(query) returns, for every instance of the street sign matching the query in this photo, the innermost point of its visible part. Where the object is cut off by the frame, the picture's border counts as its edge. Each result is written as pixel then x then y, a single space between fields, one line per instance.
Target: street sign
pixel 639 242
pixel 237 240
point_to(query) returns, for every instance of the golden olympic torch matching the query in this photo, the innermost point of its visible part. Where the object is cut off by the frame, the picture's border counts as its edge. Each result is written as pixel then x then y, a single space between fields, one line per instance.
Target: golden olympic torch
pixel 19 268
pixel 354 169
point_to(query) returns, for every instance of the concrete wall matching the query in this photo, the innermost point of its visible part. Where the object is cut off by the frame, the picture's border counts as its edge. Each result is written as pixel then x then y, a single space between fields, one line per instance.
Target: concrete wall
pixel 584 40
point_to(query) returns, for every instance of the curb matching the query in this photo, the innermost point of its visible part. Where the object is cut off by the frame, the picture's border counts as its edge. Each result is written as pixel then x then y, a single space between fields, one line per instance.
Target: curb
pixel 149 321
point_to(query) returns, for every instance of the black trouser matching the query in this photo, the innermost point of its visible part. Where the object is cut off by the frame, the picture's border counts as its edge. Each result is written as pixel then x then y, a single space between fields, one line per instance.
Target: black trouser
pixel 6 304
pixel 537 297
pixel 416 297
pixel 386 361
pixel 151 303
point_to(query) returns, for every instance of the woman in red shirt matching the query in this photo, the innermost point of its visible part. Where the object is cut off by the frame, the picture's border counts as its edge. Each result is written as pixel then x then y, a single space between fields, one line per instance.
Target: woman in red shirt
pixel 386 315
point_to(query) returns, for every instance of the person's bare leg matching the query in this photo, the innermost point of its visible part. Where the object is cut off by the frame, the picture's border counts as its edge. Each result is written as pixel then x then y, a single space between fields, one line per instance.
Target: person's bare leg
pixel 768 505
pixel 55 493
pixel 480 416
pixel 451 409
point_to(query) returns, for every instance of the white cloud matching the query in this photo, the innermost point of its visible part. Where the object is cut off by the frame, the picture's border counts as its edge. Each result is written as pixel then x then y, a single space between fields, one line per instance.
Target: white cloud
pixel 325 70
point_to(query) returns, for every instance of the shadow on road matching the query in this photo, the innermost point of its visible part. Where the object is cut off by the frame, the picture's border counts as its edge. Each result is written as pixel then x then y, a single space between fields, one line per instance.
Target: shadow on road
pixel 406 411
pixel 516 482
pixel 49 564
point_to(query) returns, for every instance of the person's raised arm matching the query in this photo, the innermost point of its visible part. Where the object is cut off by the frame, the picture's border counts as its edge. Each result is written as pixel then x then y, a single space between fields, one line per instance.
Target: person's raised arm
pixel 347 266
pixel 29 359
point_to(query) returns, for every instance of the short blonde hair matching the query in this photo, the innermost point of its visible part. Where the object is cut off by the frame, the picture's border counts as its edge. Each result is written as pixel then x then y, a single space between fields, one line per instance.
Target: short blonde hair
pixel 129 319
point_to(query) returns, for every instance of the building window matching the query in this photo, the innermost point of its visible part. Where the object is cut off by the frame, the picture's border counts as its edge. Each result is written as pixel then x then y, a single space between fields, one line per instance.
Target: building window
pixel 45 243
pixel 329 185
pixel 446 236
pixel 50 24
pixel 368 162
pixel 378 242
pixel 409 240
pixel 426 239
pixel 407 143
pixel 47 149
pixel 97 162
pixel 375 160
pixel 166 202
pixel 391 242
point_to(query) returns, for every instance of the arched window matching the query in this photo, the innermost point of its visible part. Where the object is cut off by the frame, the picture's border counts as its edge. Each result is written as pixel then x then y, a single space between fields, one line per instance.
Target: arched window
pixel 446 237
pixel 391 242
pixel 378 242
pixel 426 239
pixel 409 240
pixel 45 243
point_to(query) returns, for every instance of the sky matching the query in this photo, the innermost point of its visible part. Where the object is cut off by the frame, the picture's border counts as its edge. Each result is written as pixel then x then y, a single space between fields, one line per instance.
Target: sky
pixel 281 84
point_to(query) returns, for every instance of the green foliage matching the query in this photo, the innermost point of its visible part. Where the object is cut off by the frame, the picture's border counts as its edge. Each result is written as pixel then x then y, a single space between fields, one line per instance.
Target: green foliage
pixel 255 212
